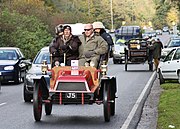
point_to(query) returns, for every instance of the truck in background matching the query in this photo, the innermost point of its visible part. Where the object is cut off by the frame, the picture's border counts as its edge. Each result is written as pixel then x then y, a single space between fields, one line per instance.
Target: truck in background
pixel 128 32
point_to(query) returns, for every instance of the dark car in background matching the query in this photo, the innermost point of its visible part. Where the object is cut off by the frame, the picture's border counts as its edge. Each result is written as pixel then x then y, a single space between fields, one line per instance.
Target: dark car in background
pixel 34 71
pixel 12 65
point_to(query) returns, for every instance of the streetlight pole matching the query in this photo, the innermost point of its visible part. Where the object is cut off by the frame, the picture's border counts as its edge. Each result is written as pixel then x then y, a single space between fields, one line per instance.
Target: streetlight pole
pixel 111 4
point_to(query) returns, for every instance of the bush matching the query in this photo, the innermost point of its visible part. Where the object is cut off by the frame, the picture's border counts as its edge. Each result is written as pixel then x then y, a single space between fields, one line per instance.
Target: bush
pixel 23 31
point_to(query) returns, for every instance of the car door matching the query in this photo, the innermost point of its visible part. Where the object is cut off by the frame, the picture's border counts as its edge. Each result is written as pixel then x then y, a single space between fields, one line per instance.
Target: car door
pixel 167 67
pixel 176 62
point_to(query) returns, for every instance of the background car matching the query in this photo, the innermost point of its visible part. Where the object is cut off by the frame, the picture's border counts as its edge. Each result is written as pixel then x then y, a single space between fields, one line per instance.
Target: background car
pixel 173 42
pixel 149 34
pixel 158 32
pixel 13 65
pixel 118 51
pixel 165 29
pixel 35 70
pixel 169 68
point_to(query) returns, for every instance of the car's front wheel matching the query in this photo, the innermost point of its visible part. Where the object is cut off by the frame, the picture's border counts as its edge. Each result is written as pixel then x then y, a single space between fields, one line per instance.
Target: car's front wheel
pixel 18 78
pixel 27 97
pixel 161 79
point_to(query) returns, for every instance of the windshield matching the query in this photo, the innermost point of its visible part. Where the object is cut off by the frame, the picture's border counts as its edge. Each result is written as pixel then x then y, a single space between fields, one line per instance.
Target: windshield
pixel 43 55
pixel 174 43
pixel 8 55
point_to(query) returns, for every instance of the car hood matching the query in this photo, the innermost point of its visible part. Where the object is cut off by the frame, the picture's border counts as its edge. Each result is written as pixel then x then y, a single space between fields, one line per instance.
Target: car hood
pixel 165 51
pixel 8 62
pixel 35 69
pixel 119 48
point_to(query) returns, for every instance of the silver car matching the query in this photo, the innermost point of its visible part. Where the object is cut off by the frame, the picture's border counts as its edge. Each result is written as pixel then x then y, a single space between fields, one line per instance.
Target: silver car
pixel 118 52
pixel 35 69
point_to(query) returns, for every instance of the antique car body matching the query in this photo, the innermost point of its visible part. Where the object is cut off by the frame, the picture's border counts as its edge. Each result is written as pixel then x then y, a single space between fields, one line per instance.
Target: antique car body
pixel 74 85
pixel 138 51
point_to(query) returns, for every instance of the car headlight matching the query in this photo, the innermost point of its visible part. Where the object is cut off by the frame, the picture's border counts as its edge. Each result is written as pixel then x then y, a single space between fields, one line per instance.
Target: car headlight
pixel 115 52
pixel 29 77
pixel 9 68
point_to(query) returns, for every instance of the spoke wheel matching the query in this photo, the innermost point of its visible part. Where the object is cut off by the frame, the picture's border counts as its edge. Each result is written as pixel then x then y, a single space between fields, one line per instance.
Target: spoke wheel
pixel 106 102
pixel 37 101
pixel 48 108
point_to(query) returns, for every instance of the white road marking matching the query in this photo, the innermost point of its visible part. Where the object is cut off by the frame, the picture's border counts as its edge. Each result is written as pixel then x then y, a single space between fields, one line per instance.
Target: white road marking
pixel 1 104
pixel 136 105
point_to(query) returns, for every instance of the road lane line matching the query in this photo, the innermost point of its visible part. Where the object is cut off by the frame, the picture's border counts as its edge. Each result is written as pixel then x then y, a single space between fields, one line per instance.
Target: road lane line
pixel 136 105
pixel 1 104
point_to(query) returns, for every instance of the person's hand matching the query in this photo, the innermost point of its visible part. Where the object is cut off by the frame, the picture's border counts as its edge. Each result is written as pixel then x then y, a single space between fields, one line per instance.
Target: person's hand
pixel 88 54
pixel 64 47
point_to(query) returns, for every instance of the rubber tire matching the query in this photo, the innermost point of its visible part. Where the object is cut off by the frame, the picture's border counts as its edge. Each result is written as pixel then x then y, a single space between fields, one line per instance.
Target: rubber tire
pixel 161 79
pixel 126 61
pixel 37 101
pixel 106 103
pixel 115 61
pixel 18 78
pixel 48 108
pixel 113 106
pixel 27 97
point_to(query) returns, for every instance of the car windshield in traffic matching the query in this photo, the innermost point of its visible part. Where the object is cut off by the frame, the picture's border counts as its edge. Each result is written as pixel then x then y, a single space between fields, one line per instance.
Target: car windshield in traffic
pixel 43 55
pixel 8 55
pixel 174 43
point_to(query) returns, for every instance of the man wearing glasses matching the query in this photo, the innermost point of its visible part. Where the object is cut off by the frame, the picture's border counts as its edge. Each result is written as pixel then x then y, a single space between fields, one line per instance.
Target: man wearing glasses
pixel 92 47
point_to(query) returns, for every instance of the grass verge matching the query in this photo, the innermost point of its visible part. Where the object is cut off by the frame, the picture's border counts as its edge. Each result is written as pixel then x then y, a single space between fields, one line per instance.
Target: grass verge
pixel 169 106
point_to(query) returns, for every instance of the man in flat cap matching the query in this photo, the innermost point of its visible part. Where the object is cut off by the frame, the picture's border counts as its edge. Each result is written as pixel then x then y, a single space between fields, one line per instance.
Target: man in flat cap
pixel 65 45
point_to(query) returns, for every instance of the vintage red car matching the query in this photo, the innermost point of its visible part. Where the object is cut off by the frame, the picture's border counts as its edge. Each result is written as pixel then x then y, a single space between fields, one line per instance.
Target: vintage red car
pixel 69 85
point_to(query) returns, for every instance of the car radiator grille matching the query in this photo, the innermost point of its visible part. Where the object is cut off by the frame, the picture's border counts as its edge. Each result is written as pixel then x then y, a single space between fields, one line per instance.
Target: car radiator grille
pixel 71 86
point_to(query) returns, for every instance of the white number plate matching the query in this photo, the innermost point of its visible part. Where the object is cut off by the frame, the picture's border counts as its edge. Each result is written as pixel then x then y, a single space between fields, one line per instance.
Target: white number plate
pixel 70 95
pixel 0 73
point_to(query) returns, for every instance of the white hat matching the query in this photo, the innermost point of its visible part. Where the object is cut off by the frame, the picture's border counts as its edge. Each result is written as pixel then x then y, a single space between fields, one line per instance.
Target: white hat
pixel 98 25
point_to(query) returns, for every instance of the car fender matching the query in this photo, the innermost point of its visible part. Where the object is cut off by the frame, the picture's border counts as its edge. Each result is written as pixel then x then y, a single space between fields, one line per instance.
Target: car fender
pixel 44 87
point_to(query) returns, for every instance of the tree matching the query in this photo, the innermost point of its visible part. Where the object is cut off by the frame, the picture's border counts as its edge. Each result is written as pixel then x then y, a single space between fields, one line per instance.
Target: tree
pixel 172 16
pixel 23 31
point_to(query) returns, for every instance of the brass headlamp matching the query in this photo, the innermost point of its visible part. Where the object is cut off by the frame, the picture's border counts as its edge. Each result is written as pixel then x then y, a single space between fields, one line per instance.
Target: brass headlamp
pixel 44 67
pixel 104 68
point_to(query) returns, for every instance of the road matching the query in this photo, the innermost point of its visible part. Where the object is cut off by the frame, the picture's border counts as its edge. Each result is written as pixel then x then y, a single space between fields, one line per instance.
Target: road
pixel 15 114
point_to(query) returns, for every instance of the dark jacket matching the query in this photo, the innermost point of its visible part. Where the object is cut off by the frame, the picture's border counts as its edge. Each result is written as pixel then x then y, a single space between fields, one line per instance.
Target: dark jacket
pixel 71 47
pixel 107 37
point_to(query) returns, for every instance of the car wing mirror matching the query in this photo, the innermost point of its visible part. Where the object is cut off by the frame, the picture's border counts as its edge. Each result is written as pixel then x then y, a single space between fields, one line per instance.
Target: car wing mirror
pixel 28 61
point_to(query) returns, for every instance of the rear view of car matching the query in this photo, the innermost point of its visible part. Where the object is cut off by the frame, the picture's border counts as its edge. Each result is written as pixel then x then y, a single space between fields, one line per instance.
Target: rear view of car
pixel 35 69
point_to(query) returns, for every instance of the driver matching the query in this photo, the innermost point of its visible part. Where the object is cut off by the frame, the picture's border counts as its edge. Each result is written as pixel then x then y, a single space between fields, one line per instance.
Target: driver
pixel 65 46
